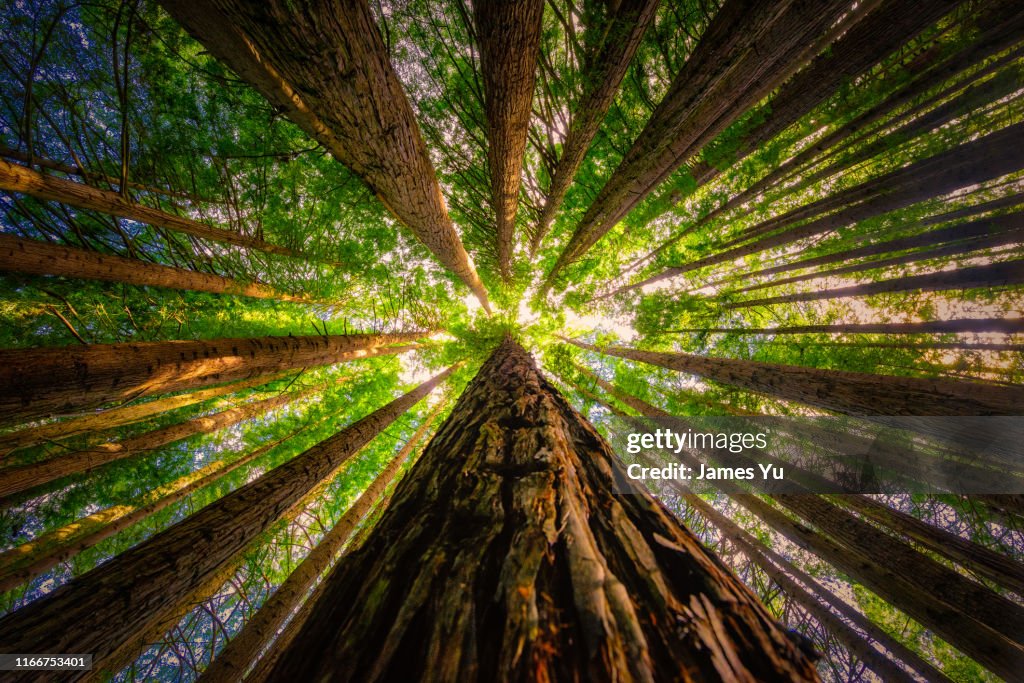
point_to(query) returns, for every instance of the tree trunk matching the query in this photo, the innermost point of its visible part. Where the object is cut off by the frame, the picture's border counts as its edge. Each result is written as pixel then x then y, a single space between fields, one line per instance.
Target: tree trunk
pixel 32 257
pixel 327 68
pixel 117 417
pixel 995 275
pixel 849 393
pixel 15 178
pixel 508 37
pixel 985 626
pixel 982 228
pixel 29 560
pixel 963 325
pixel 626 28
pixel 231 664
pixel 505 554
pixel 748 49
pixel 20 478
pixel 113 610
pixel 52 381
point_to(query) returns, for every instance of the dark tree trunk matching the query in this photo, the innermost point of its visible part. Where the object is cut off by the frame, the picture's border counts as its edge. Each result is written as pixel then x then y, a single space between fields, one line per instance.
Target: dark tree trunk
pixel 748 49
pixel 52 381
pixel 327 68
pixel 506 555
pixel 626 27
pixel 850 393
pixel 508 36
pixel 118 608
pixel 964 325
pixel 32 257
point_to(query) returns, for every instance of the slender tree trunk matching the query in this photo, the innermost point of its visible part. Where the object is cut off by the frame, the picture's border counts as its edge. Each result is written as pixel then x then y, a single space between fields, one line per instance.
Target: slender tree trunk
pixel 114 610
pixel 850 393
pixel 15 178
pixel 985 626
pixel 327 68
pixel 508 37
pixel 748 49
pixel 32 257
pixel 628 399
pixel 991 276
pixel 117 417
pixel 52 381
pixel 231 664
pixel 626 28
pixel 20 478
pixel 29 560
pixel 963 326
pixel 506 554
pixel 982 228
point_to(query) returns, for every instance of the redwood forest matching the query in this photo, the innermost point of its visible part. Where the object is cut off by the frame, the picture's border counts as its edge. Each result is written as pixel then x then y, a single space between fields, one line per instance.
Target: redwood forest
pixel 351 340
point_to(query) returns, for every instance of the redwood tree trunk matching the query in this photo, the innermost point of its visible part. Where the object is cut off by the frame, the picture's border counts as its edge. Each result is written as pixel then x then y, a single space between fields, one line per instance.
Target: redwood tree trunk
pixel 508 36
pixel 118 608
pixel 52 381
pixel 32 257
pixel 850 393
pixel 327 68
pixel 506 555
pixel 972 325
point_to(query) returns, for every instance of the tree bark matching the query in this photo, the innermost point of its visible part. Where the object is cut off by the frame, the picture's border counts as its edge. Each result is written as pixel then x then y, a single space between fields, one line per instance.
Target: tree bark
pixel 117 417
pixel 327 68
pixel 113 610
pixel 849 393
pixel 992 276
pixel 20 478
pixel 15 178
pixel 508 37
pixel 964 325
pixel 748 49
pixel 506 555
pixel 626 28
pixel 52 381
pixel 232 663
pixel 18 255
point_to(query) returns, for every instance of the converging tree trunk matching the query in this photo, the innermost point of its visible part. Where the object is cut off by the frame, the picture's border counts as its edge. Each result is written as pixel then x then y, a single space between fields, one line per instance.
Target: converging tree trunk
pixel 32 257
pixel 508 36
pixel 118 608
pixel 327 68
pixel 962 325
pixel 52 381
pixel 850 393
pixel 505 554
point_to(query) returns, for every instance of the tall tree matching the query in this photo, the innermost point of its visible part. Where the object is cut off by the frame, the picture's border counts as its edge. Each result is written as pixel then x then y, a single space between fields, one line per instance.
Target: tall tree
pixel 508 37
pixel 115 610
pixel 851 393
pixel 327 68
pixel 47 381
pixel 506 554
pixel 962 325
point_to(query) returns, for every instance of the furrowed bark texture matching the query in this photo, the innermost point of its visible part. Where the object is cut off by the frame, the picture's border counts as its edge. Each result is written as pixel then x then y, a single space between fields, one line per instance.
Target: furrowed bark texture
pixel 52 381
pixel 506 555
pixel 32 257
pixel 114 610
pixel 21 478
pixel 325 65
pixel 116 417
pixel 15 178
pixel 850 393
pixel 749 49
pixel 508 36
pixel 234 660
pixel 622 38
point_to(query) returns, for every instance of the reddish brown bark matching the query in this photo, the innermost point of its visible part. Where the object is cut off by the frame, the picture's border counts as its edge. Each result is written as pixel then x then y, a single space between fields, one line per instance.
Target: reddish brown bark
pixel 327 68
pixel 965 325
pixel 508 37
pixel 116 609
pixel 52 381
pixel 18 255
pixel 851 393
